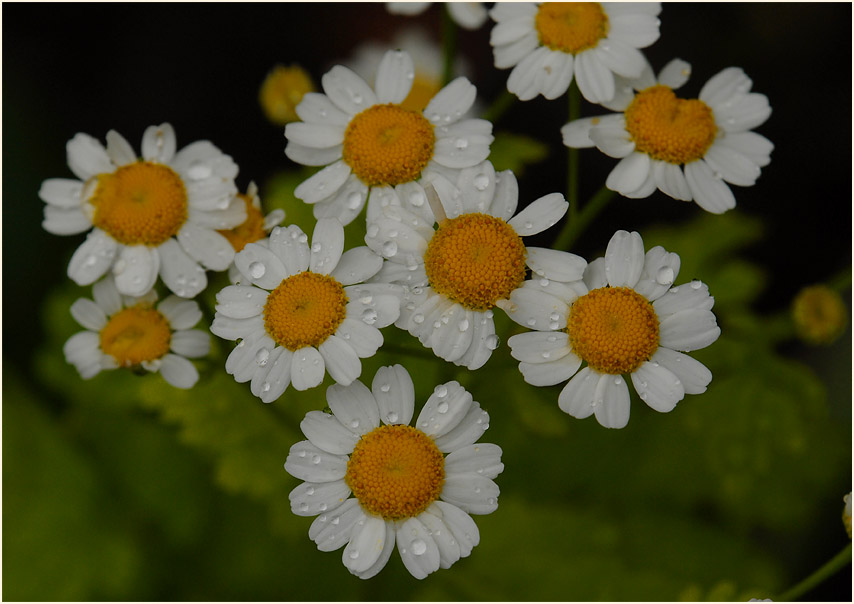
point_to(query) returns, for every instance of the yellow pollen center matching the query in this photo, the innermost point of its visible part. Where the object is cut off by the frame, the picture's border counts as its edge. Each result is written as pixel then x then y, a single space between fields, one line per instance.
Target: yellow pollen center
pixel 388 145
pixel 668 128
pixel 304 310
pixel 143 203
pixel 396 472
pixel 571 27
pixel 819 314
pixel 614 329
pixel 251 230
pixel 282 91
pixel 136 334
pixel 476 260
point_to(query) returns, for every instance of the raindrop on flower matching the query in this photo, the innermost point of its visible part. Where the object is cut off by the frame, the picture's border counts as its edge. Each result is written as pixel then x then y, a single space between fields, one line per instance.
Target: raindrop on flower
pixel 354 200
pixel 442 408
pixel 391 417
pixel 389 249
pixel 695 284
pixel 385 388
pixel 481 182
pixel 664 276
pixel 418 318
pixel 257 270
pixel 441 390
pixel 419 547
pixel 261 356
pixel 491 341
pixel 463 325
pixel 369 316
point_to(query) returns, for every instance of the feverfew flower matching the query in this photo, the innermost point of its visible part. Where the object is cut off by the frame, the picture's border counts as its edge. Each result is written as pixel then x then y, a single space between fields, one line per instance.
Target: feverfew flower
pixel 148 216
pixel 370 144
pixel 468 15
pixel 281 91
pixel 473 260
pixel 625 317
pixel 819 314
pixel 687 148
pixel 129 331
pixel 550 42
pixel 300 313
pixel 405 490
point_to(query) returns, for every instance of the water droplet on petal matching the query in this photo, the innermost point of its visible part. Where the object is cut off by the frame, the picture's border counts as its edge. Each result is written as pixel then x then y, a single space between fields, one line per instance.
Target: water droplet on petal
pixel 418 318
pixel 315 459
pixel 369 316
pixel 695 284
pixel 261 356
pixel 354 424
pixel 463 325
pixel 385 388
pixel 442 408
pixel 664 276
pixel 354 199
pixel 199 170
pixel 416 198
pixel 389 249
pixel 309 491
pixel 441 390
pixel 491 341
pixel 391 417
pixel 419 547
pixel 481 182
pixel 257 270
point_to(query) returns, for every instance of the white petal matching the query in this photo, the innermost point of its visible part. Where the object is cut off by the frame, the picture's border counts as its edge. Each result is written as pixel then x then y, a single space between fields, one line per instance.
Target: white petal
pixel 354 406
pixel 418 550
pixel 314 136
pixel 620 57
pixel 242 361
pixel 462 152
pixel 394 393
pixel 107 296
pixel 695 376
pixel 670 179
pixel 135 269
pixel 470 428
pixel 92 259
pixel 611 137
pixel 689 330
pixel 449 549
pixel 540 214
pixel 158 143
pixel 549 373
pixel 323 184
pixel 468 15
pixel 576 134
pixel 260 266
pixel 347 90
pixel 83 351
pixel 660 270
pixel 504 11
pixel 65 221
pixel 536 310
pixel 327 433
pixel 483 459
pixel 461 524
pixel 595 275
pixel 318 108
pixel 87 157
pixel 307 462
pixel 444 410
pixel 727 85
pixel 119 149
pixel 524 80
pixel 366 544
pixel 471 492
pixel 356 265
pixel 62 192
pixel 451 103
pixel 309 156
pixel 241 301
pixel 451 340
pixel 710 192
pixel 733 167
pixel 555 264
pixel 629 174
pixel 363 339
pixel 639 29
pixel 578 395
pixel 483 342
pixel 178 371
pixel 657 386
pixel 539 346
pixel 624 259
pixel 331 531
pixel 385 555
pixel 206 246
pixel 611 402
pixel 307 368
pixel 395 75
pixel 193 343
pixel 695 295
pixel 203 161
pixel 509 31
pixel 558 71
pixel 509 55
pixel 595 80
pixel 271 380
pixel 181 274
pixel 341 360
pixel 312 498
pixel 675 73
pixel 381 310
pixel 88 314
pixel 181 314
pixel 754 146
pixel 327 243
pixel 290 245
pixel 234 329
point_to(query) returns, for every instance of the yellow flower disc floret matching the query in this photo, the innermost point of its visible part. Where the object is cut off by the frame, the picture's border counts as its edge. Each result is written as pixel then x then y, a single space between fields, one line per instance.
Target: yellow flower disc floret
pixel 571 27
pixel 143 203
pixel 614 329
pixel 136 334
pixel 395 472
pixel 388 145
pixel 668 128
pixel 304 310
pixel 819 314
pixel 476 260
pixel 250 230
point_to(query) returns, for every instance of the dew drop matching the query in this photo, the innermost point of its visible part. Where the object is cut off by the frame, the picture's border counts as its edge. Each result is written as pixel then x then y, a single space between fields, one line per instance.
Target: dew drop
pixel 442 408
pixel 531 322
pixel 391 417
pixel 262 356
pixel 440 390
pixel 199 170
pixel 416 198
pixel 492 341
pixel 418 318
pixel 389 249
pixel 481 182
pixel 695 284
pixel 664 276
pixel 354 199
pixel 303 507
pixel 529 225
pixel 385 388
pixel 315 248
pixel 309 491
pixel 90 261
pixel 369 316
pixel 315 459
pixel 419 547
pixel 257 270
pixel 354 553
pixel 618 380
pixel 354 424
pixel 265 387
pixel 322 507
pixel 463 325
pixel 554 325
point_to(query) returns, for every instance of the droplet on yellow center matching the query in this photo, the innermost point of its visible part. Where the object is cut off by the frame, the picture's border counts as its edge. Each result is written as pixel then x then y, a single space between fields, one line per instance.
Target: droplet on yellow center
pixel 476 260
pixel 136 334
pixel 388 145
pixel 668 128
pixel 571 27
pixel 614 329
pixel 143 203
pixel 304 310
pixel 251 230
pixel 396 472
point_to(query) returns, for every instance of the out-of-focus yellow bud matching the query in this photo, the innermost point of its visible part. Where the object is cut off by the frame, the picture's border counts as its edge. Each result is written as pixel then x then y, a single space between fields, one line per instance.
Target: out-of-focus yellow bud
pixel 846 513
pixel 282 91
pixel 819 314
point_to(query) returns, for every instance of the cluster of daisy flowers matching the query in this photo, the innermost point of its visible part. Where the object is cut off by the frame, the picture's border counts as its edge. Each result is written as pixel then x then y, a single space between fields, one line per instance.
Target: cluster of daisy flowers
pixel 445 249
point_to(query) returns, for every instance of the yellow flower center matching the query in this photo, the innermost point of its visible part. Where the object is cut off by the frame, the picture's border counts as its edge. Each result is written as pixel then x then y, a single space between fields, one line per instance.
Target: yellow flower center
pixel 136 334
pixel 251 230
pixel 614 329
pixel 388 145
pixel 670 129
pixel 143 203
pixel 282 91
pixel 304 310
pixel 396 472
pixel 476 260
pixel 571 27
pixel 820 314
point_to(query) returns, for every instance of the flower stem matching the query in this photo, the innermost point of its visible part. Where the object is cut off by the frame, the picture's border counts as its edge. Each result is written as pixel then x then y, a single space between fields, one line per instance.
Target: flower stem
pixel 572 173
pixel 449 45
pixel 825 572
pixel 574 227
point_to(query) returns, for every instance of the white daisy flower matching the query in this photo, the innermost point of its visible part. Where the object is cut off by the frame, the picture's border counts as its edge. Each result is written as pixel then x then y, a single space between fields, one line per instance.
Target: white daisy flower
pixel 405 490
pixel 625 317
pixel 303 310
pixel 455 273
pixel 468 15
pixel 148 216
pixel 255 229
pixel 130 331
pixel 547 43
pixel 370 144
pixel 687 148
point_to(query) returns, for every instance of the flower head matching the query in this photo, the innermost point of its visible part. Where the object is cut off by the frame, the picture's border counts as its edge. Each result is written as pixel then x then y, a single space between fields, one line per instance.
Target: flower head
pixel 371 144
pixel 687 148
pixel 413 486
pixel 468 15
pixel 624 317
pixel 819 314
pixel 302 310
pixel 147 216
pixel 456 268
pixel 130 331
pixel 281 91
pixel 548 43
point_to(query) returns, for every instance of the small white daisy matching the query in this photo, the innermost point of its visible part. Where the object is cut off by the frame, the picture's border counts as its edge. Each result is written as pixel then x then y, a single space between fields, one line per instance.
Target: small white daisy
pixel 468 15
pixel 625 317
pixel 550 42
pixel 687 148
pixel 370 144
pixel 405 490
pixel 303 310
pixel 455 273
pixel 130 331
pixel 148 216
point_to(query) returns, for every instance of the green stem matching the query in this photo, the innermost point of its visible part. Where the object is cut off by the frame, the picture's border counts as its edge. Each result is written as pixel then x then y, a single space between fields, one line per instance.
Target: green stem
pixel 449 45
pixel 499 106
pixel 572 173
pixel 423 353
pixel 823 573
pixel 573 228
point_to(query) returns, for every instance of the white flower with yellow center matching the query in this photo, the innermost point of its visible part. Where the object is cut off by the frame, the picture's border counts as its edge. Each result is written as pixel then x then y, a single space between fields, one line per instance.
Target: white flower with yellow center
pixel 405 490
pixel 687 148
pixel 130 331
pixel 550 42
pixel 625 317
pixel 148 216
pixel 457 270
pixel 468 15
pixel 372 145
pixel 303 310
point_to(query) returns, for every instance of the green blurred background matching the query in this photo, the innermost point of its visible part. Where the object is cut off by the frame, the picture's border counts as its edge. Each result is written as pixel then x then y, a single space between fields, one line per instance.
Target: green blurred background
pixel 122 488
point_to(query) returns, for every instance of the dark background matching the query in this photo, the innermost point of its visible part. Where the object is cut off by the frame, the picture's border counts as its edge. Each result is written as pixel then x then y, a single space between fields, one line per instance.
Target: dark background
pixel 71 68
